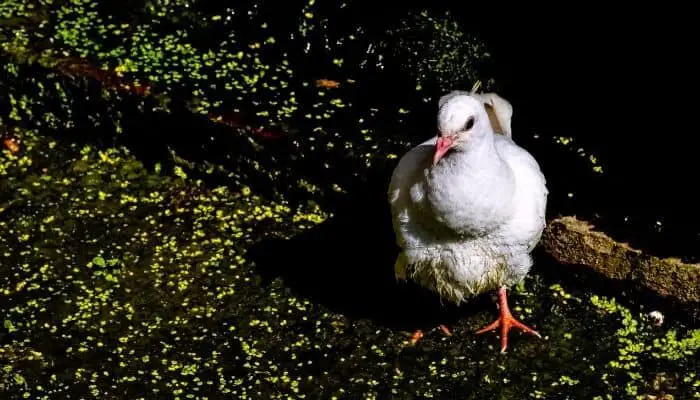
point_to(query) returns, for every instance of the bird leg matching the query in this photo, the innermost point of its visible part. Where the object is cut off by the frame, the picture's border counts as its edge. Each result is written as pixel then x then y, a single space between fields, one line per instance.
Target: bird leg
pixel 506 321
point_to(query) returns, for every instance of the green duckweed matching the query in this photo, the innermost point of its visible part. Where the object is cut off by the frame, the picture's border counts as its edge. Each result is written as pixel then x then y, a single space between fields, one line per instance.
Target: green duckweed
pixel 117 279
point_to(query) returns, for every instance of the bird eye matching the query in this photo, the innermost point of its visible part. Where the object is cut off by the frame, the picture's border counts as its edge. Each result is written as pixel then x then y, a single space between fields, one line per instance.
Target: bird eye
pixel 469 124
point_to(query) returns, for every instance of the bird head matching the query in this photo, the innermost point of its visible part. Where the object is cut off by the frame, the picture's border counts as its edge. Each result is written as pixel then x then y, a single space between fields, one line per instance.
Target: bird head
pixel 462 120
pixel 467 118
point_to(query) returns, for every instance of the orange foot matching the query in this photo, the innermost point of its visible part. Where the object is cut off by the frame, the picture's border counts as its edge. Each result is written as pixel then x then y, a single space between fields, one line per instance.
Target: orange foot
pixel 444 330
pixel 417 335
pixel 506 321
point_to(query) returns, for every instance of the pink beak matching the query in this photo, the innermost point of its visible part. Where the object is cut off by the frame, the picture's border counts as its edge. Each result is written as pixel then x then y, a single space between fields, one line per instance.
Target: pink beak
pixel 444 143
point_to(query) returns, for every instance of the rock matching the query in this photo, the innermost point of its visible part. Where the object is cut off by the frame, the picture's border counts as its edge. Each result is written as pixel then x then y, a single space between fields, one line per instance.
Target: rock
pixel 575 242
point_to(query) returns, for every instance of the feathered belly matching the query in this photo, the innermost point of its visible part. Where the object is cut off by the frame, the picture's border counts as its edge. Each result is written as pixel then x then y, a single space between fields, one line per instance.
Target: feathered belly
pixel 458 271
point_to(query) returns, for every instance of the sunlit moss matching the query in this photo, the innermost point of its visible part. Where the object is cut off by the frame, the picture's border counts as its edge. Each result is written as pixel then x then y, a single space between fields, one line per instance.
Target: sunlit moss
pixel 108 290
pixel 635 342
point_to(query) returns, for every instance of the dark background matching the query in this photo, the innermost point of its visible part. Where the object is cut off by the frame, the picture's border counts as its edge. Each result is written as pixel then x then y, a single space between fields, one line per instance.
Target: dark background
pixel 622 83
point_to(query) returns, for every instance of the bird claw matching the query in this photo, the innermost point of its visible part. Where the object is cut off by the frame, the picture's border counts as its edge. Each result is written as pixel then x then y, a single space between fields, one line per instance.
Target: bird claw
pixel 506 321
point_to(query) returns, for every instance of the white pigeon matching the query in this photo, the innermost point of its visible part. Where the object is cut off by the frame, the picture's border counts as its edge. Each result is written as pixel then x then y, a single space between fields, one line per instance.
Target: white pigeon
pixel 468 206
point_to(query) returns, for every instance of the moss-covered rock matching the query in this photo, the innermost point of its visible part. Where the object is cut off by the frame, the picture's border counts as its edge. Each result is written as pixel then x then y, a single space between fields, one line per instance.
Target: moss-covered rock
pixel 572 241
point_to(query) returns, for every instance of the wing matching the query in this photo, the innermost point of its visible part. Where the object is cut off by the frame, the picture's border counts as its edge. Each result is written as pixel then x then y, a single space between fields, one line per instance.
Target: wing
pixel 410 214
pixel 530 193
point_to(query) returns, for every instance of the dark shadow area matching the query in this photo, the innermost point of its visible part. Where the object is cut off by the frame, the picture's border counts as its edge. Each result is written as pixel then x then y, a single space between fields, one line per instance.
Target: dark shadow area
pixel 347 264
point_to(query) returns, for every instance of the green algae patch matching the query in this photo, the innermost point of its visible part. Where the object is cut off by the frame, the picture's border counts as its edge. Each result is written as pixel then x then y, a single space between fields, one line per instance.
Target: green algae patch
pixel 448 57
pixel 102 257
pixel 117 280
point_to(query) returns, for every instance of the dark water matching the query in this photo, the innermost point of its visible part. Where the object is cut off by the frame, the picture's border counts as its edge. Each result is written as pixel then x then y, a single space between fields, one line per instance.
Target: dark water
pixel 336 323
pixel 621 89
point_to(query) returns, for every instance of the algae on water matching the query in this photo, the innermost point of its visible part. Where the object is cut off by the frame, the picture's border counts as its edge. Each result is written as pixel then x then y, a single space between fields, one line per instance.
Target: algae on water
pixel 120 278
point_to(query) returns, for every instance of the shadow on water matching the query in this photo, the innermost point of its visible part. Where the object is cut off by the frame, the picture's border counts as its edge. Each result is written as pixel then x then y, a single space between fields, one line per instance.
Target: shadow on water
pixel 346 264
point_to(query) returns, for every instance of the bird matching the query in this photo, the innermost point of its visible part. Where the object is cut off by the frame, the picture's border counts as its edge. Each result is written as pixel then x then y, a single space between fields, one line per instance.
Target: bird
pixel 468 206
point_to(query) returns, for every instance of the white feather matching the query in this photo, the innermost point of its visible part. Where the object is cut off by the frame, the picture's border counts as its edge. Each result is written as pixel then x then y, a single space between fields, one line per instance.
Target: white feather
pixel 468 224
